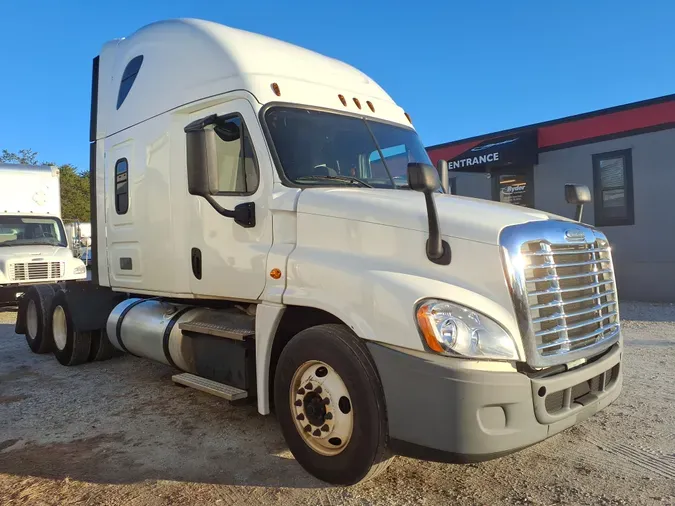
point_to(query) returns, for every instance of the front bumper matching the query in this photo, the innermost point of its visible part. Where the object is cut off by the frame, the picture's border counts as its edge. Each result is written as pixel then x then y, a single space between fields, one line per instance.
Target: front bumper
pixel 439 412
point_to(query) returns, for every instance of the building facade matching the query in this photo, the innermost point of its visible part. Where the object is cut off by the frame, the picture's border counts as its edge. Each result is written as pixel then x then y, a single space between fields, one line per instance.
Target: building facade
pixel 625 155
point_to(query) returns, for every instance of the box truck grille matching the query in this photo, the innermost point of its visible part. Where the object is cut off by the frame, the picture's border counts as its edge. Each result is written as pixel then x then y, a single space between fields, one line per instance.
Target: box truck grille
pixel 564 293
pixel 36 271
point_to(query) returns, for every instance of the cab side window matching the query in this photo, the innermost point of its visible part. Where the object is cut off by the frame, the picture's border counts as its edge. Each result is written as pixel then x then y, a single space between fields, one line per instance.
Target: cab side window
pixel 122 186
pixel 237 166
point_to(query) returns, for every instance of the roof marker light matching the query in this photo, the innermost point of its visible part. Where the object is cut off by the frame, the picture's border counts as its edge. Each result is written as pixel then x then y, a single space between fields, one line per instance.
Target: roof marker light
pixel 356 101
pixel 343 100
pixel 408 116
pixel 276 90
pixel 370 104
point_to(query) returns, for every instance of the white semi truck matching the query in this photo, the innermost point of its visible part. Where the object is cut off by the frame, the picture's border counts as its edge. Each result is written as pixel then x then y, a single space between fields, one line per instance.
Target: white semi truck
pixel 249 231
pixel 33 243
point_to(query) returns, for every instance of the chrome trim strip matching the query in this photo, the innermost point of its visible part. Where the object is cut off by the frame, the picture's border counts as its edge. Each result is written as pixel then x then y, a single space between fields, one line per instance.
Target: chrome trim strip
pixel 571 252
pixel 590 335
pixel 570 289
pixel 573 301
pixel 558 316
pixel 568 264
pixel 564 328
pixel 568 276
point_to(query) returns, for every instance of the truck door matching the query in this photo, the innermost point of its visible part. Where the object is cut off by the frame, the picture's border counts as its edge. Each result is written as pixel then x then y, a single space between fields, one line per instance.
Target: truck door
pixel 226 259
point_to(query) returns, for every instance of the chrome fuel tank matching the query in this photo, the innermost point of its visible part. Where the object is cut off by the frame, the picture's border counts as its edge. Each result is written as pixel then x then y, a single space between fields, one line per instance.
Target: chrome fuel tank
pixel 150 328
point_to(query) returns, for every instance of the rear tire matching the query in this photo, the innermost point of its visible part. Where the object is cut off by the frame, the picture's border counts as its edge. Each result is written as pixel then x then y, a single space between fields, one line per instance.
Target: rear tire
pixel 101 348
pixel 327 392
pixel 37 318
pixel 71 347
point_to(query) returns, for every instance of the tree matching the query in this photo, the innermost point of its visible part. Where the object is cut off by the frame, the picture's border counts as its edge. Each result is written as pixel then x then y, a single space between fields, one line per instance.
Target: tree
pixel 74 184
pixel 25 157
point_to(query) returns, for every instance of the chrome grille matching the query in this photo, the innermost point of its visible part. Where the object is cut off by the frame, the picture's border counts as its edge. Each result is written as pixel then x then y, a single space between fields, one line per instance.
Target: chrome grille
pixel 571 295
pixel 36 271
pixel 563 290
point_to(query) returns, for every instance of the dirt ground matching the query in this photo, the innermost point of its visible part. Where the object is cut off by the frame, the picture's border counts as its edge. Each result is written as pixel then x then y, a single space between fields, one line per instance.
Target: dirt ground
pixel 121 433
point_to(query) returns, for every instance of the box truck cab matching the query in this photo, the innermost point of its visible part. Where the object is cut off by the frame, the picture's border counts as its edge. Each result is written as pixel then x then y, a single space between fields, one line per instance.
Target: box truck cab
pixel 265 220
pixel 33 243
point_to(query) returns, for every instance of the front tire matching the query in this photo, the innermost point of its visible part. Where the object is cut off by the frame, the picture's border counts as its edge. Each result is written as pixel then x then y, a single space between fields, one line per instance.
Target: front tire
pixel 71 347
pixel 37 319
pixel 330 405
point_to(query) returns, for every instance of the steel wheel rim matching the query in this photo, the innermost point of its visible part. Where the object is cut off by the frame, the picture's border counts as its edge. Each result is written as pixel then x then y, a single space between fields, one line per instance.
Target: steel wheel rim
pixel 321 408
pixel 60 328
pixel 31 319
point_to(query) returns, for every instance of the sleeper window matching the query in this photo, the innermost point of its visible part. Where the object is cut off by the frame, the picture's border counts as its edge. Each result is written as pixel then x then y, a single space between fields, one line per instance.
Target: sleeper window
pixel 237 169
pixel 613 184
pixel 122 186
pixel 128 78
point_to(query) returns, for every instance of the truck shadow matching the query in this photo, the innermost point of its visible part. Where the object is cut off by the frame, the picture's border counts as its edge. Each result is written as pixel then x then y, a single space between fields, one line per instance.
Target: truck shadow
pixel 124 422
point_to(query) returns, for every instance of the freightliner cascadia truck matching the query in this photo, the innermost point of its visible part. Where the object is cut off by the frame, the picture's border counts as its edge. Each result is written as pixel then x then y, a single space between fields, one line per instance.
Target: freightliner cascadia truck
pixel 253 228
pixel 33 243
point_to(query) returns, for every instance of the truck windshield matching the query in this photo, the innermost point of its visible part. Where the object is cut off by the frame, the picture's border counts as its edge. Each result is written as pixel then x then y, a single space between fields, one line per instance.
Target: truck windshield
pixel 31 230
pixel 320 148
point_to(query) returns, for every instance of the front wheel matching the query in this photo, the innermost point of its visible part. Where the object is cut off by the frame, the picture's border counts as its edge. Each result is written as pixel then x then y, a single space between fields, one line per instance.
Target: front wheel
pixel 330 405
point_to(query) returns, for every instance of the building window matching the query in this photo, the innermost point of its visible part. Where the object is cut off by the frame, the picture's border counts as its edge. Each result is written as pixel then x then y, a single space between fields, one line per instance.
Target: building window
pixel 122 186
pixel 613 185
pixel 128 78
pixel 237 167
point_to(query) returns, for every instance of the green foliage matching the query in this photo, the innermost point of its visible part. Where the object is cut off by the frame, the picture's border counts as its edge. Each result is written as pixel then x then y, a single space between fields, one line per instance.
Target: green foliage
pixel 74 185
pixel 24 156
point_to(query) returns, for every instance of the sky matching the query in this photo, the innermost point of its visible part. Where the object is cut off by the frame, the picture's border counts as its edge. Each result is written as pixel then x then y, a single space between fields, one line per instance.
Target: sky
pixel 459 68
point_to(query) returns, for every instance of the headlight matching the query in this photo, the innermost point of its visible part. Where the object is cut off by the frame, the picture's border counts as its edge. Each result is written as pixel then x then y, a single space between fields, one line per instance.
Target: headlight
pixel 452 329
pixel 80 269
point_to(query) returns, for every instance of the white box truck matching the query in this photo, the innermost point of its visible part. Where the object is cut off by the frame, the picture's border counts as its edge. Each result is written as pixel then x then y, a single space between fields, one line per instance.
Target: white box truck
pixel 33 243
pixel 249 231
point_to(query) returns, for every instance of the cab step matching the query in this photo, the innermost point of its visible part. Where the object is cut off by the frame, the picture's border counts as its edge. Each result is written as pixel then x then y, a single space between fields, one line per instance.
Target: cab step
pixel 229 324
pixel 209 386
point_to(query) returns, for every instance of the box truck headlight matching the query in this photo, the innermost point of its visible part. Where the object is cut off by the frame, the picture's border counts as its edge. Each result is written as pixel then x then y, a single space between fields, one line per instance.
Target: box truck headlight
pixel 456 330
pixel 80 269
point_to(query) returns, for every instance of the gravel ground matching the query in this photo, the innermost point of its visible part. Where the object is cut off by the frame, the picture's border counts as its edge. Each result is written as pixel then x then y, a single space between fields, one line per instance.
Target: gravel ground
pixel 121 433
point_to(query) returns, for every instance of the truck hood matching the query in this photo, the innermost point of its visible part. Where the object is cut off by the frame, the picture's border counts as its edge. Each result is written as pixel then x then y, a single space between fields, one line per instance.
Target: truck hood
pixel 462 217
pixel 38 251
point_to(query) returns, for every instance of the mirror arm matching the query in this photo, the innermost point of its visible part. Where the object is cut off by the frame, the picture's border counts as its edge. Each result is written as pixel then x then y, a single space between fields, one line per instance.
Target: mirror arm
pixel 579 212
pixel 443 175
pixel 438 250
pixel 243 214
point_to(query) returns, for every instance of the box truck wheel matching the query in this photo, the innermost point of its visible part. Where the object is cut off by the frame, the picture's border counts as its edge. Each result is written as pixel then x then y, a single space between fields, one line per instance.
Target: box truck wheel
pixel 37 326
pixel 71 347
pixel 330 405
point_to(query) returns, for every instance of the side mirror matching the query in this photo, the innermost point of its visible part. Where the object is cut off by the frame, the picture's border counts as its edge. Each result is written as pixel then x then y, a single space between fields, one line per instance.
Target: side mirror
pixel 202 168
pixel 424 178
pixel 577 194
pixel 443 175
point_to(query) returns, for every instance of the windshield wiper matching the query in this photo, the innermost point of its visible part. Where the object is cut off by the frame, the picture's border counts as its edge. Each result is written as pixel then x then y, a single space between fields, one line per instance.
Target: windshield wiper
pixel 348 179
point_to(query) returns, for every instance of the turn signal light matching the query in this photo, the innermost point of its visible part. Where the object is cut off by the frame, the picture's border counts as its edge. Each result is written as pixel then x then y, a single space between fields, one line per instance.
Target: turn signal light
pixel 427 329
